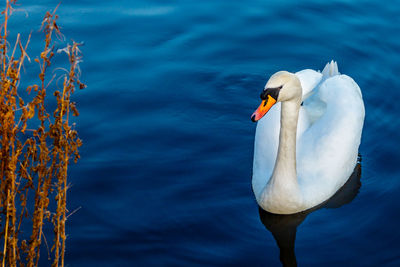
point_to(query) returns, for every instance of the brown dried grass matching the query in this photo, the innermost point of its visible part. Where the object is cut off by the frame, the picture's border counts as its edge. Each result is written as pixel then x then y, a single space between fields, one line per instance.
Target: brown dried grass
pixel 34 160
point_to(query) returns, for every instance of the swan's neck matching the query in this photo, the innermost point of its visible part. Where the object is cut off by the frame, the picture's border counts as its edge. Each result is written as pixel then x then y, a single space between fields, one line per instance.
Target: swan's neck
pixel 283 190
pixel 286 158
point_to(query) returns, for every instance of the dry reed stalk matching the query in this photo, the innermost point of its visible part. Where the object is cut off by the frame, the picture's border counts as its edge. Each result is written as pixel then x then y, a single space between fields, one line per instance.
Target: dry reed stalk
pixel 34 162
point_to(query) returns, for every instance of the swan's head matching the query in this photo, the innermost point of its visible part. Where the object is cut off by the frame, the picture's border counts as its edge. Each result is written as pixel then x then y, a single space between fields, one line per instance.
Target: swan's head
pixel 282 86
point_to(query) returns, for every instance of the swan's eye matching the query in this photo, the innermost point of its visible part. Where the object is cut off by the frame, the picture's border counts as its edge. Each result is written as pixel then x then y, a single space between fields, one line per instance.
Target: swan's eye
pixel 273 92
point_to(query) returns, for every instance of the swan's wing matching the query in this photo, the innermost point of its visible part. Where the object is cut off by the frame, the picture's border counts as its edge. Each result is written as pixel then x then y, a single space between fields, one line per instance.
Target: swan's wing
pixel 313 107
pixel 328 149
pixel 309 80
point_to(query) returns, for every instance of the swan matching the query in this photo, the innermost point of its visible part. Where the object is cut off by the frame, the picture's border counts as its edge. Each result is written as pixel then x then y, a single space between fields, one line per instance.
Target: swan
pixel 306 148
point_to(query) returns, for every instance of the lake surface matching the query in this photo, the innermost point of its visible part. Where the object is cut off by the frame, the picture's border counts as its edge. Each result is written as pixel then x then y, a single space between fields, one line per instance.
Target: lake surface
pixel 165 170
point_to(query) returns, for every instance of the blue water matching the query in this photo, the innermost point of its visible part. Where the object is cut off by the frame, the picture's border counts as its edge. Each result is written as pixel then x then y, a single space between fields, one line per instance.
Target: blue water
pixel 165 171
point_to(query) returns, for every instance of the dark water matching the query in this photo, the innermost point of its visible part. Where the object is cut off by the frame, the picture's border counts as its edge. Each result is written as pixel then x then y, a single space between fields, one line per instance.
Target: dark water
pixel 165 174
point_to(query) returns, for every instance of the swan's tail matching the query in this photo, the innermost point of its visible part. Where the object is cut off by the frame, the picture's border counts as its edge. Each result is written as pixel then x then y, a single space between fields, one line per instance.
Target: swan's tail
pixel 331 69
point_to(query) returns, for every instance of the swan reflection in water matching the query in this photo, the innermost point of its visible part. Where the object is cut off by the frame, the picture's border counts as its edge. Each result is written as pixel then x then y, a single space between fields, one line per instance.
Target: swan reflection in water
pixel 284 227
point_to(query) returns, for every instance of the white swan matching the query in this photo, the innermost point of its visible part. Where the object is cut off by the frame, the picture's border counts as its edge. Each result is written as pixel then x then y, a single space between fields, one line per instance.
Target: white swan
pixel 305 152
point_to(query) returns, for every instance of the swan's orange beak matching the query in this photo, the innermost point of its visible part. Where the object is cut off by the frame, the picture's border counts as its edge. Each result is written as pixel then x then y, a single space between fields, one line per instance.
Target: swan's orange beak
pixel 266 104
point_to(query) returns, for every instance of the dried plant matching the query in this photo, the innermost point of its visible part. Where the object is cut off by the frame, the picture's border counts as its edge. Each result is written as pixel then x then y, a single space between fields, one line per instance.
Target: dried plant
pixel 36 146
